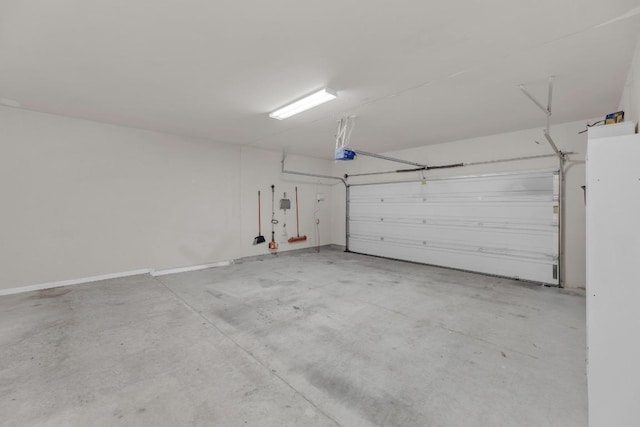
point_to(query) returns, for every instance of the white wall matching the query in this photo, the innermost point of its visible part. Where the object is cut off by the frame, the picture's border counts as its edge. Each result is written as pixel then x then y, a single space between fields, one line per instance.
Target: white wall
pixel 82 199
pixel 630 101
pixel 507 145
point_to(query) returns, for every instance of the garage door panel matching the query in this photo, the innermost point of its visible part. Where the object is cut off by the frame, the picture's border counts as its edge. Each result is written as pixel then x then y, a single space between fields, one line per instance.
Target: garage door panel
pixel 457 222
pixel 460 187
pixel 541 212
pixel 525 240
pixel 498 224
pixel 501 265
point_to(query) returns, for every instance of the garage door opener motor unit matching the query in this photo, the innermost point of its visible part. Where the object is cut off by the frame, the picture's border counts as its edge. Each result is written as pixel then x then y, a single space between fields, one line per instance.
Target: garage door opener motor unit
pixel 345 127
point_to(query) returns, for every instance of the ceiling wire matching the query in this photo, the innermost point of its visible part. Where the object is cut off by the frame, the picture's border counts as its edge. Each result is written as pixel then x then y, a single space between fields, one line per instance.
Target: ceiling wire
pixel 633 12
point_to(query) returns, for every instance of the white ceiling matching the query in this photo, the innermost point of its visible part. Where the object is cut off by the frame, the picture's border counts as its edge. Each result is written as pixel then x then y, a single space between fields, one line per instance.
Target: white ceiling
pixel 414 72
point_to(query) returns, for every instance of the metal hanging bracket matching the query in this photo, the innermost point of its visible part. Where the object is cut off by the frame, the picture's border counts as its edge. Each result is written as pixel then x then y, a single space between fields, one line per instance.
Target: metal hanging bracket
pixel 547 111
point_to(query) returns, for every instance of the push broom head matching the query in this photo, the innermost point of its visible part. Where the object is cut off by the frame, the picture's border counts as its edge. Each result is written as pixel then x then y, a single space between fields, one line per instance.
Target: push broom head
pixel 297 239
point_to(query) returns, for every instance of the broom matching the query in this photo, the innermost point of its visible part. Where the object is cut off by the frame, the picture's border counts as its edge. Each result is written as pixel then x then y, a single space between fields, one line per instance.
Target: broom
pixel 259 238
pixel 298 238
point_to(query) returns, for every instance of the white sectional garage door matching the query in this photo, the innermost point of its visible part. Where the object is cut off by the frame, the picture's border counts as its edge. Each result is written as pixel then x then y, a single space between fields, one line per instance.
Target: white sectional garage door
pixel 501 224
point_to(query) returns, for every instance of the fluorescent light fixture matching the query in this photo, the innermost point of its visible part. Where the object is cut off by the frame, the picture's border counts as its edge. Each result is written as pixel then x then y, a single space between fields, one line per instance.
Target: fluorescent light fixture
pixel 304 104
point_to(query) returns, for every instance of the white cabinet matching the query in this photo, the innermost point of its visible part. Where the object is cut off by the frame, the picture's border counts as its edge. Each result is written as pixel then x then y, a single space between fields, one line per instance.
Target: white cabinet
pixel 613 280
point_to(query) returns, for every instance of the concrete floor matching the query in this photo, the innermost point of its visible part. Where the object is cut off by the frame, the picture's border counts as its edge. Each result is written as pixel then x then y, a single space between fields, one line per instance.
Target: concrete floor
pixel 300 339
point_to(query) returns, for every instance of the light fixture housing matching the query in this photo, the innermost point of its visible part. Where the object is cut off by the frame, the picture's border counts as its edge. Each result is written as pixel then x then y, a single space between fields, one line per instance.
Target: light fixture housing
pixel 304 104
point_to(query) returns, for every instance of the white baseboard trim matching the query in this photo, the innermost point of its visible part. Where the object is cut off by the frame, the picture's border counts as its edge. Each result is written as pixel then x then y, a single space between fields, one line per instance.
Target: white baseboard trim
pixel 154 273
pixel 191 268
pixel 70 282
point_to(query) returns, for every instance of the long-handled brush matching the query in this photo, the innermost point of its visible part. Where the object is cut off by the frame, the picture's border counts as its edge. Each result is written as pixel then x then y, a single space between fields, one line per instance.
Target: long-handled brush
pixel 259 238
pixel 298 237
